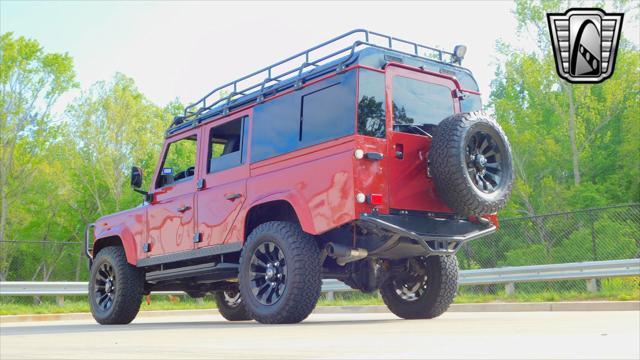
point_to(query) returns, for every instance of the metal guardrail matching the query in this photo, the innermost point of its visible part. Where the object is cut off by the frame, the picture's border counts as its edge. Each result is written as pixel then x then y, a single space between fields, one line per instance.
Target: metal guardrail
pixel 552 272
pixel 506 275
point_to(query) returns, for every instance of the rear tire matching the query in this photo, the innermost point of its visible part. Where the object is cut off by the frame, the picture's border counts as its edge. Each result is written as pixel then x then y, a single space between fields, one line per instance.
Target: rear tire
pixel 425 291
pixel 280 273
pixel 231 306
pixel 115 287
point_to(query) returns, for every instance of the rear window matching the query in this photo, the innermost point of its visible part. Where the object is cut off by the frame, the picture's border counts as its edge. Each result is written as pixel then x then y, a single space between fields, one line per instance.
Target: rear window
pixel 420 103
pixel 371 114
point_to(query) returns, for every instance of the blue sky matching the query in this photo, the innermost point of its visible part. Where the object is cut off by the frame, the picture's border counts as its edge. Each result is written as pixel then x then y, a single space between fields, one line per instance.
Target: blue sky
pixel 184 49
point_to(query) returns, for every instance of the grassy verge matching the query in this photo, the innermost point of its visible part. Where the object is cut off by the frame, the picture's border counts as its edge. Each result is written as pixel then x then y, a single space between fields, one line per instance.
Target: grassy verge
pixel 14 306
pixel 75 304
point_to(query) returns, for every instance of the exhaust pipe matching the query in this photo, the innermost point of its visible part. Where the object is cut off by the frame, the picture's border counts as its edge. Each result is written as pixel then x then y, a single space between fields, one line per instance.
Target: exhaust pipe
pixel 344 254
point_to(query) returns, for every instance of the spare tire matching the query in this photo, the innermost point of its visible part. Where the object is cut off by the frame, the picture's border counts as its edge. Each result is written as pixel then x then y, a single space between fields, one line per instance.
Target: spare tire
pixel 470 163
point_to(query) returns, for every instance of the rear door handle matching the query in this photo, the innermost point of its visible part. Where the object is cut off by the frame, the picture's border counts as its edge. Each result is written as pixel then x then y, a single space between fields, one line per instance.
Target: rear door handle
pixel 232 196
pixel 184 208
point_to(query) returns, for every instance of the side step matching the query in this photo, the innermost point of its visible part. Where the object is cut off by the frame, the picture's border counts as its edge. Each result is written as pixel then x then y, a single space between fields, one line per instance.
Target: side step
pixel 212 271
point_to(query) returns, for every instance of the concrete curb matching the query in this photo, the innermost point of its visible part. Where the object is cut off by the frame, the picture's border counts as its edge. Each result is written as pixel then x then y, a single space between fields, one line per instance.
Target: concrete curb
pixel 483 307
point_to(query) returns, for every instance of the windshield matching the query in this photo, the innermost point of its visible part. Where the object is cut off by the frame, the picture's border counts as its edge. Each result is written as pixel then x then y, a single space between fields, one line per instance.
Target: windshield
pixel 419 106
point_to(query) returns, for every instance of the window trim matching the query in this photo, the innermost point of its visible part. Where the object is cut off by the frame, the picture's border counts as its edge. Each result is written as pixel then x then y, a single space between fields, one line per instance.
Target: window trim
pixel 244 133
pixel 359 97
pixel 164 158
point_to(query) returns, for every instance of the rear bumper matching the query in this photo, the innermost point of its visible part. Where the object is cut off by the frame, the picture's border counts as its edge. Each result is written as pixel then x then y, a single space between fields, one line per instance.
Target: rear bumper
pixel 433 236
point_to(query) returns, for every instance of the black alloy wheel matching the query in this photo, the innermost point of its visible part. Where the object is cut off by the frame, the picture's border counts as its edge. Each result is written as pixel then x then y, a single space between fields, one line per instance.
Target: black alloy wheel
pixel 411 289
pixel 485 161
pixel 269 273
pixel 105 286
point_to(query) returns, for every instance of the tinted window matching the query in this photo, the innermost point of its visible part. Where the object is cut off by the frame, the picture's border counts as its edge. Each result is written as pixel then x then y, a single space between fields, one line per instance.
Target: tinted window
pixel 371 113
pixel 226 145
pixel 276 127
pixel 327 114
pixel 317 113
pixel 420 103
pixel 179 162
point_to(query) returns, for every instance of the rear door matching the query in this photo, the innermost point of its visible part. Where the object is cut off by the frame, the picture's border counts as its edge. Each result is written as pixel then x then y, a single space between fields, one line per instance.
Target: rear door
pixel 223 185
pixel 417 102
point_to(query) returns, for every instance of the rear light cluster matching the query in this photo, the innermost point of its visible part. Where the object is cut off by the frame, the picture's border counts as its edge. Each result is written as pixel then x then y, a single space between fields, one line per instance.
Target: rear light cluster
pixel 361 198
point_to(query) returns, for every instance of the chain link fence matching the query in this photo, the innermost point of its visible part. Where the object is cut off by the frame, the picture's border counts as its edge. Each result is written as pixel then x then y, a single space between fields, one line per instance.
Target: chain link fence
pixel 609 233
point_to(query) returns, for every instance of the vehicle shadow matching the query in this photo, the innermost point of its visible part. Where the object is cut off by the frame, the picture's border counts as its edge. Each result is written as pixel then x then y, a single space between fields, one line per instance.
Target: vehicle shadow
pixel 8 330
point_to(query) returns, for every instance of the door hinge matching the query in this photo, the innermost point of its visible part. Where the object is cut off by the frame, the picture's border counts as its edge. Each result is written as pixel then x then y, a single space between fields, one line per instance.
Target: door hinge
pixel 201 184
pixel 197 237
pixel 459 94
pixel 146 247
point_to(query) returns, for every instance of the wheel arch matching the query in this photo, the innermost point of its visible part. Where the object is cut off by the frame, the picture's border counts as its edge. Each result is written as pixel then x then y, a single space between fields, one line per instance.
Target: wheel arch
pixel 274 210
pixel 117 237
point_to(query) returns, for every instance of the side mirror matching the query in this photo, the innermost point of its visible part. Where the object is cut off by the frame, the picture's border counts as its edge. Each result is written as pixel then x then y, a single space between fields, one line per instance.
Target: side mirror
pixel 136 177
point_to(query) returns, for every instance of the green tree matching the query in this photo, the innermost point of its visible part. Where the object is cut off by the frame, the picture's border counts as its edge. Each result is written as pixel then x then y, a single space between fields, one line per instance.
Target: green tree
pixel 113 127
pixel 574 146
pixel 31 81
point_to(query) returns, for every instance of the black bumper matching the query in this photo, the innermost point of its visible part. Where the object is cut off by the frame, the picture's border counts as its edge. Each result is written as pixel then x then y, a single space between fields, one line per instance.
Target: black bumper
pixel 433 235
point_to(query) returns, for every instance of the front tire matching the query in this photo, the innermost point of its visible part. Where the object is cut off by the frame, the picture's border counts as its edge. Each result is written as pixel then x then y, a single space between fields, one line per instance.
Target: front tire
pixel 280 273
pixel 425 290
pixel 115 287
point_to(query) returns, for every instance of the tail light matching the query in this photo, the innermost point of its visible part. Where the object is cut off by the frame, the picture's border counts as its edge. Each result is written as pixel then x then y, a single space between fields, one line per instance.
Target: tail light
pixel 375 199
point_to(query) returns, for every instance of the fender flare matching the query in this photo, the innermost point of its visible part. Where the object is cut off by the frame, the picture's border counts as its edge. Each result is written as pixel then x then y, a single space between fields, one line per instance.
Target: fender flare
pixel 126 238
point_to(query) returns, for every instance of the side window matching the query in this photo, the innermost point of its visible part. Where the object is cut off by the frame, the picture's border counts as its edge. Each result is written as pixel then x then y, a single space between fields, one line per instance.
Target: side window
pixel 227 145
pixel 371 112
pixel 276 127
pixel 179 162
pixel 320 112
pixel 327 114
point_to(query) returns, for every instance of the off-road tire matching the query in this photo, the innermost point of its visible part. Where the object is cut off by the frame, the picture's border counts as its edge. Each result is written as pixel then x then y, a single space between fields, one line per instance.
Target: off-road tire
pixel 448 165
pixel 442 284
pixel 129 288
pixel 237 312
pixel 303 278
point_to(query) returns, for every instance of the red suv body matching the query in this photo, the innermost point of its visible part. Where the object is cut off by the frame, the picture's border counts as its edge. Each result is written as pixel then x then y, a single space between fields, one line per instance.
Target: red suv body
pixel 339 149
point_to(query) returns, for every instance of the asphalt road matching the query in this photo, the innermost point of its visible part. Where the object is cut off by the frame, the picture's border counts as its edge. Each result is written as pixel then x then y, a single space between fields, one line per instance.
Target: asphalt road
pixel 528 335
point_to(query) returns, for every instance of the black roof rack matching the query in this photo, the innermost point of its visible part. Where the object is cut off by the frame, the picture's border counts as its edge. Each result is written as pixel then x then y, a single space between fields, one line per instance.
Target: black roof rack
pixel 267 77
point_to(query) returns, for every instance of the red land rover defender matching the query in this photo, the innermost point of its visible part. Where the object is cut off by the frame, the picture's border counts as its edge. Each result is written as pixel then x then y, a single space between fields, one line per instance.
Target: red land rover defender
pixel 370 164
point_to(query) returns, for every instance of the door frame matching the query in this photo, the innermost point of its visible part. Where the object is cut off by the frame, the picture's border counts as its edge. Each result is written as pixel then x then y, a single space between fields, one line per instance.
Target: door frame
pixel 173 191
pixel 224 177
